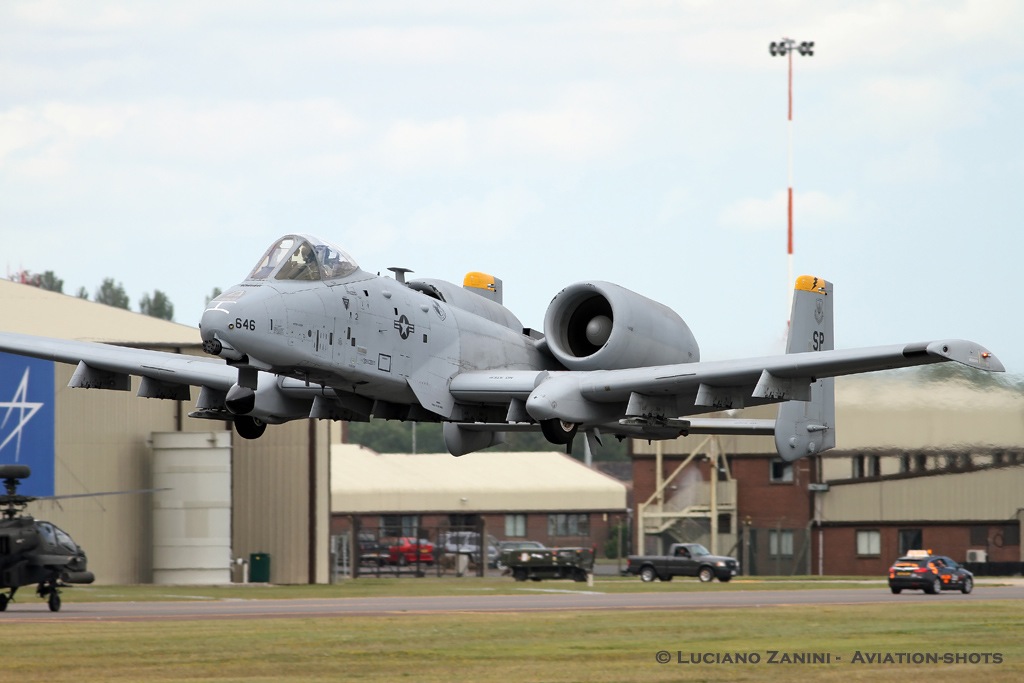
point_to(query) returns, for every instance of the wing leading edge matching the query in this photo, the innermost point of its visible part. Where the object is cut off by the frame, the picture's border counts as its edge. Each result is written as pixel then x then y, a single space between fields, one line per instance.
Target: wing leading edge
pixel 106 366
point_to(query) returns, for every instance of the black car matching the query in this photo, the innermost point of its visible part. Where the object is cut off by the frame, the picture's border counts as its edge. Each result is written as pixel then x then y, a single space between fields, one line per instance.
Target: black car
pixel 372 551
pixel 921 570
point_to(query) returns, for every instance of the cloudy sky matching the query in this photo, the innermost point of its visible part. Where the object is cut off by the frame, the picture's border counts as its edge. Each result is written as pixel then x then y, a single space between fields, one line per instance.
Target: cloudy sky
pixel 166 145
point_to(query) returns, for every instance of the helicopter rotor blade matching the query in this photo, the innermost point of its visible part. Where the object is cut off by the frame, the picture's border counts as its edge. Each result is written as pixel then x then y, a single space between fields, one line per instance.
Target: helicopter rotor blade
pixel 90 495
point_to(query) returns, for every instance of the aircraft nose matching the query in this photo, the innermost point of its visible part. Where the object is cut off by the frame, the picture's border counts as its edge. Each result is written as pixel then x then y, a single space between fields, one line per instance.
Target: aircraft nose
pixel 216 324
pixel 211 328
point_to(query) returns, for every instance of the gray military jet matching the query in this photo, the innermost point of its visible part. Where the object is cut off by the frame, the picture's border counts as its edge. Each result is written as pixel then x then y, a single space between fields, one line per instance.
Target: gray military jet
pixel 308 334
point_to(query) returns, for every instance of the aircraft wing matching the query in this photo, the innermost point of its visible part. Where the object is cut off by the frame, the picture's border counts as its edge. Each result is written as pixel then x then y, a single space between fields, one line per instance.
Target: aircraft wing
pixel 109 367
pixel 693 388
pixel 754 377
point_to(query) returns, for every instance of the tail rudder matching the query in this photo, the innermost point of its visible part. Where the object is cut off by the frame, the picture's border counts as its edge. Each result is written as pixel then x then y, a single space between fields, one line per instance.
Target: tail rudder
pixel 807 427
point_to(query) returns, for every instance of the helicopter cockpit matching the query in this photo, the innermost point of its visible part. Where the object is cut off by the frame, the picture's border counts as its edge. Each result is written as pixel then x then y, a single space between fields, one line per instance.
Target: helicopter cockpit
pixel 56 537
pixel 302 257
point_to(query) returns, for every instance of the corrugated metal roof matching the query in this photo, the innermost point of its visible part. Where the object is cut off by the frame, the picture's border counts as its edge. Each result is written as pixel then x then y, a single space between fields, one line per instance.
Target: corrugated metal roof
pixel 963 496
pixel 897 413
pixel 894 411
pixel 365 481
pixel 31 310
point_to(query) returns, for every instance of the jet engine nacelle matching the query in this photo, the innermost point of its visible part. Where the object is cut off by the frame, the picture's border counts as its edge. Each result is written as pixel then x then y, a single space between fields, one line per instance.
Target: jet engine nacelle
pixel 602 326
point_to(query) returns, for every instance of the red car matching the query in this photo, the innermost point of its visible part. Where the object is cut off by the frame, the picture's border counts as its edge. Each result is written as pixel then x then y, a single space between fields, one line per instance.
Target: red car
pixel 403 551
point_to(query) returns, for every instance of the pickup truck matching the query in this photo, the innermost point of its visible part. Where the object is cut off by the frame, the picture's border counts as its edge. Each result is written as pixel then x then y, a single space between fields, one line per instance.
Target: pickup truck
pixel 683 559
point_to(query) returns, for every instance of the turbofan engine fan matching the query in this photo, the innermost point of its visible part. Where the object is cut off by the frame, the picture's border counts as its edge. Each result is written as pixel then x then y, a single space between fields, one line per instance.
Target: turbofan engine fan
pixel 602 326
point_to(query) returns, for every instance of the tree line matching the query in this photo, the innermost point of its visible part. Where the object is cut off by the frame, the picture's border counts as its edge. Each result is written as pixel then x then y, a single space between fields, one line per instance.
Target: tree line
pixel 110 292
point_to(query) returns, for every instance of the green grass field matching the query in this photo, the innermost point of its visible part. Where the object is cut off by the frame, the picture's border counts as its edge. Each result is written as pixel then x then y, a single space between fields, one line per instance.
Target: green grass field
pixel 582 646
pixel 390 586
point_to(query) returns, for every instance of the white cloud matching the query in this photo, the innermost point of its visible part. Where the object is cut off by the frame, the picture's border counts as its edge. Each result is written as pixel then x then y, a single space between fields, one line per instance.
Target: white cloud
pixel 57 135
pixel 42 141
pixel 415 145
pixel 62 15
pixel 901 106
pixel 914 161
pixel 493 217
pixel 587 122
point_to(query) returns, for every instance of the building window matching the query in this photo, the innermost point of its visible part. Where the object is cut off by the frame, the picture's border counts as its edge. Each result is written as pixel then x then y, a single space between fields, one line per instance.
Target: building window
pixel 400 525
pixel 780 542
pixel 910 539
pixel 866 466
pixel 569 525
pixel 913 462
pixel 781 471
pixel 869 542
pixel 463 521
pixel 515 525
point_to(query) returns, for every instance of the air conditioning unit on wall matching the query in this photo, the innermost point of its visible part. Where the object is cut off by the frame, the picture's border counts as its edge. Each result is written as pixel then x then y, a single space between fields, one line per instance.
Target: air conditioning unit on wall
pixel 977 555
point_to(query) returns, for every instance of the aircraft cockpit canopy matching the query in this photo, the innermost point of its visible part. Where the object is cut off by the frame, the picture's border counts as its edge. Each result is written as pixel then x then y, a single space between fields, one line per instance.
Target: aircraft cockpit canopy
pixel 301 257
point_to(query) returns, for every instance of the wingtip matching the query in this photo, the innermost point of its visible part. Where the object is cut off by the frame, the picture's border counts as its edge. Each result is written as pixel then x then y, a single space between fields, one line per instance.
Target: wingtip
pixel 968 353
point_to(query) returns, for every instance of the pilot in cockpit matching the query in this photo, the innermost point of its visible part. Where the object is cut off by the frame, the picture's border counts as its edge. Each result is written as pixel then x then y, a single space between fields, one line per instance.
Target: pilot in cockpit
pixel 301 265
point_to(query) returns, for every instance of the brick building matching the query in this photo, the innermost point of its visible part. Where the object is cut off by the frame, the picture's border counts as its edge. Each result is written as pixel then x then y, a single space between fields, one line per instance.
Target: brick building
pixel 919 462
pixel 547 497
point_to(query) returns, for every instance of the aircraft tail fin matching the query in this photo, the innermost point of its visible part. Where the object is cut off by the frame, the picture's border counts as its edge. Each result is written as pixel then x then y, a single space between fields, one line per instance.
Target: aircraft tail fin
pixel 807 427
pixel 483 284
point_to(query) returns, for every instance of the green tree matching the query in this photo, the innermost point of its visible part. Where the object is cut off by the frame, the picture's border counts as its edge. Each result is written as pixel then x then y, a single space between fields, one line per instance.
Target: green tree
pixel 392 436
pixel 112 294
pixel 50 282
pixel 83 293
pixel 158 306
pixel 47 280
pixel 618 533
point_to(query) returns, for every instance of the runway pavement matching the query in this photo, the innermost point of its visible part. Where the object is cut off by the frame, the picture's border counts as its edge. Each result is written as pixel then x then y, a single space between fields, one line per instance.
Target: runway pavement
pixel 548 597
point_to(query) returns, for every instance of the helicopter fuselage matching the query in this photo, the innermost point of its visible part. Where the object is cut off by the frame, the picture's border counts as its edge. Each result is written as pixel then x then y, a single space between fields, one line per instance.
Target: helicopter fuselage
pixel 38 553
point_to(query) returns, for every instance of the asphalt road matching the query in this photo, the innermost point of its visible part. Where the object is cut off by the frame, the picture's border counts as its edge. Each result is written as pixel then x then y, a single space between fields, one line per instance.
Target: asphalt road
pixel 547 597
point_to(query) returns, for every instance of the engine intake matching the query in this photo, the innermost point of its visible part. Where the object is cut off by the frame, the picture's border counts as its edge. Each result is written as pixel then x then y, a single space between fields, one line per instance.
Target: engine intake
pixel 602 326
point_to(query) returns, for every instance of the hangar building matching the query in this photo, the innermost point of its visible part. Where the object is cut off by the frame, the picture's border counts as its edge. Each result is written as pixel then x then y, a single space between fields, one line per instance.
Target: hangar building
pixel 547 497
pixel 271 499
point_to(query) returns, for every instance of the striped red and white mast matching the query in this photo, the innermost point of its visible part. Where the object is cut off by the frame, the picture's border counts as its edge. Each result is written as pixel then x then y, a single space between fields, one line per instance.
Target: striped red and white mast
pixel 785 48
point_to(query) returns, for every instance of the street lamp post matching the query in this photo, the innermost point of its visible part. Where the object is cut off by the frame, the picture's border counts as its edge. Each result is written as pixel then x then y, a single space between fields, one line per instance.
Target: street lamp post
pixel 785 48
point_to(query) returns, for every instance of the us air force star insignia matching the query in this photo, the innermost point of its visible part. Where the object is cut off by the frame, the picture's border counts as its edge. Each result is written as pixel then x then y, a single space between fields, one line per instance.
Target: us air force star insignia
pixel 819 310
pixel 404 327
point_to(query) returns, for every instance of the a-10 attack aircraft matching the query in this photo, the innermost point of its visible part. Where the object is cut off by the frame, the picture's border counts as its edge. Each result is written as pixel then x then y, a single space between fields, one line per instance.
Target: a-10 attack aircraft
pixel 308 334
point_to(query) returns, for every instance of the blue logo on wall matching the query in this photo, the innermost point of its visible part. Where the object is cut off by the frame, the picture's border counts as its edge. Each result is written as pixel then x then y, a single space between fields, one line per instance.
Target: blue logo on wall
pixel 26 420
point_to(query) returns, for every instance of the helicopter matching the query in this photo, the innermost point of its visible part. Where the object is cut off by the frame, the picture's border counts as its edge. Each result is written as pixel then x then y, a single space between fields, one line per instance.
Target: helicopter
pixel 33 551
